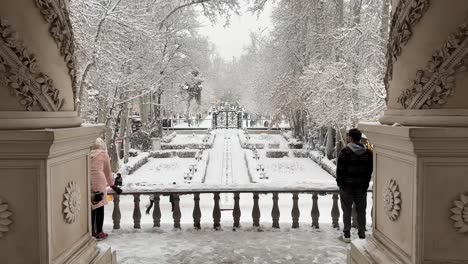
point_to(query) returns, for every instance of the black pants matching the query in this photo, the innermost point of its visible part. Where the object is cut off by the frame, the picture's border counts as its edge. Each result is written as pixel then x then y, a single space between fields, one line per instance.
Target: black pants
pixel 360 201
pixel 97 219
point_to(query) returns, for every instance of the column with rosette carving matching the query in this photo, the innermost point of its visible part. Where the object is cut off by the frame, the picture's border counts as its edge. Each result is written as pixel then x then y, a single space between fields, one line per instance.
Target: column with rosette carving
pixel 421 143
pixel 44 151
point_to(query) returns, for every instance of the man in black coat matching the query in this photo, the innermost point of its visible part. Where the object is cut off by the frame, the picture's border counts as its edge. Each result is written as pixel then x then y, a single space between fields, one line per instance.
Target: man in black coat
pixel 353 174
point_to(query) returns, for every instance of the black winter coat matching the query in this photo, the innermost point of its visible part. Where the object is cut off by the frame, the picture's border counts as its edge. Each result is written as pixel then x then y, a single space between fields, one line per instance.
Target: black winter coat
pixel 354 169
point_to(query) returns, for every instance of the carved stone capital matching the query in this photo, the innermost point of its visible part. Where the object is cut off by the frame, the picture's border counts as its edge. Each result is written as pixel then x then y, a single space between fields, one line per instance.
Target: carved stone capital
pixel 55 12
pixel 434 84
pixel 407 14
pixel 19 71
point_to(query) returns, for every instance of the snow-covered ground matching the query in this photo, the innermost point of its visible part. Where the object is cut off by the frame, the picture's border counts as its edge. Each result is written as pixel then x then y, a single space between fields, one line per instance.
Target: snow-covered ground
pixel 243 246
pixel 227 169
pixel 166 171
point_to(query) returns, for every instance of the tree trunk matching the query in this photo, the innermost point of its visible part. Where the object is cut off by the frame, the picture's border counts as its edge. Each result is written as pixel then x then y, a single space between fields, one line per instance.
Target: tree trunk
pixel 81 92
pixel 330 142
pixel 189 103
pixel 144 111
pixel 157 130
pixel 123 130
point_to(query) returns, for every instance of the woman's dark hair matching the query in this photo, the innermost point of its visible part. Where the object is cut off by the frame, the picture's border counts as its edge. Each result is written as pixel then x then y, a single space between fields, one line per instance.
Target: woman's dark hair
pixel 355 134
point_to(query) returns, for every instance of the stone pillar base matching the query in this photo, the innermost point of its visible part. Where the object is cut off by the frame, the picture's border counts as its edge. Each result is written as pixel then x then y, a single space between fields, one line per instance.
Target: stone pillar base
pixel 420 196
pixel 45 197
pixel 370 252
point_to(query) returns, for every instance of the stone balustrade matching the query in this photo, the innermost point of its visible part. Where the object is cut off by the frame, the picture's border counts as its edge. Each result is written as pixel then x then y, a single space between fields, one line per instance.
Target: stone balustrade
pixel 236 210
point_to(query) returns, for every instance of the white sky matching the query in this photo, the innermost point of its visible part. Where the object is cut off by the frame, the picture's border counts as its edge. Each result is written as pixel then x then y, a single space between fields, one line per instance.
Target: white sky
pixel 230 41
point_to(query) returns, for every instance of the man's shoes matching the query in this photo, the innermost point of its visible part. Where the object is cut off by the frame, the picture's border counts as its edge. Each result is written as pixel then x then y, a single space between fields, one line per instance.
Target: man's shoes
pixel 101 236
pixel 347 237
pixel 362 236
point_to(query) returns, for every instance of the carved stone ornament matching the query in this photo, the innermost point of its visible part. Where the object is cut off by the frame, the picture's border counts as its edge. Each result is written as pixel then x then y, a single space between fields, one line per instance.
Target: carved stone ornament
pixel 435 84
pixel 392 200
pixel 19 71
pixel 5 220
pixel 460 214
pixel 55 12
pixel 72 202
pixel 407 14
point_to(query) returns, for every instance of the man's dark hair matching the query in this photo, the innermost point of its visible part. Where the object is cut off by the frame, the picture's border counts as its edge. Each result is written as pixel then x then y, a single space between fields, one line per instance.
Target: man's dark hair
pixel 355 134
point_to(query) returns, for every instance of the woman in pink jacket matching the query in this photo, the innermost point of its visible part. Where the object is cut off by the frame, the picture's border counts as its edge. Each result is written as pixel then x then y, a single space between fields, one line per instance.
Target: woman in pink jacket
pixel 101 177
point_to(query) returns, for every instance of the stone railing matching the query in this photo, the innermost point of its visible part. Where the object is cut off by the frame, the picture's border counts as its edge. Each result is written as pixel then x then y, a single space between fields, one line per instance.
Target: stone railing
pixel 236 210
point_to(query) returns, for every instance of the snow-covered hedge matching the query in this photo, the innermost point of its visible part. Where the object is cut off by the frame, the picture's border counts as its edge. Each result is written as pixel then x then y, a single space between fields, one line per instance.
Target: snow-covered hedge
pixel 277 153
pixel 293 143
pixel 207 142
pixel 173 153
pixel 329 166
pixel 248 143
pixel 326 164
pixel 134 163
pixel 316 156
pixel 300 153
pixel 273 145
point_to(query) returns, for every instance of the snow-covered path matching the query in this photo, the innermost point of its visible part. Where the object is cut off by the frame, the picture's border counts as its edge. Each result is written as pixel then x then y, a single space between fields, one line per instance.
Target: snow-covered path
pixel 227 165
pixel 215 170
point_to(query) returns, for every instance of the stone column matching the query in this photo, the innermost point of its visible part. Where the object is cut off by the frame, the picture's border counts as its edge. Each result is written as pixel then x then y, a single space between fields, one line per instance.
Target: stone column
pixel 421 145
pixel 44 150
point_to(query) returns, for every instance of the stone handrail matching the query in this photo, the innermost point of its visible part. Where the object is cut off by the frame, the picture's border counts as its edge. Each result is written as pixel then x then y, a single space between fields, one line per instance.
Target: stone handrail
pixel 255 190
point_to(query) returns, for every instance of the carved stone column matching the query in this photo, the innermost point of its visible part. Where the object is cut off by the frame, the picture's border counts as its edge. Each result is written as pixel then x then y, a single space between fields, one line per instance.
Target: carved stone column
pixel 421 161
pixel 44 151
pixel 37 68
pixel 426 64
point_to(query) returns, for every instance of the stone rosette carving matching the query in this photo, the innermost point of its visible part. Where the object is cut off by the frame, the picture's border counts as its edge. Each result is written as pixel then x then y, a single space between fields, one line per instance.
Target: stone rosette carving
pixel 5 220
pixel 460 214
pixel 20 72
pixel 72 202
pixel 392 200
pixel 407 14
pixel 55 12
pixel 433 85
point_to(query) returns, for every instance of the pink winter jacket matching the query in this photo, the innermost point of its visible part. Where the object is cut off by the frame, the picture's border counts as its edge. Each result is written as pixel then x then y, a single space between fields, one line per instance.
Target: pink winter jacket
pixel 101 175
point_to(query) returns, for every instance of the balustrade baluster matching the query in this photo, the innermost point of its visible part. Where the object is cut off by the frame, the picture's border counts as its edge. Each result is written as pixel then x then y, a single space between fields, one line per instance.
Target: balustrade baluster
pixel 216 212
pixel 196 211
pixel 295 213
pixel 136 211
pixel 176 215
pixel 116 215
pixel 236 213
pixel 315 213
pixel 275 212
pixel 354 223
pixel 256 211
pixel 335 212
pixel 156 211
